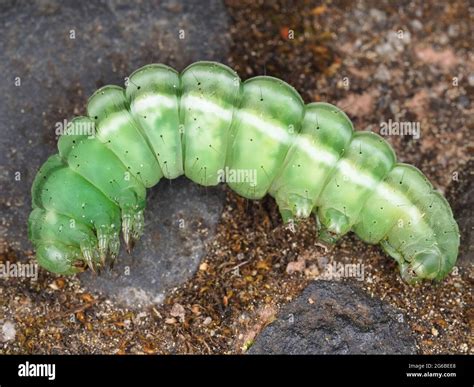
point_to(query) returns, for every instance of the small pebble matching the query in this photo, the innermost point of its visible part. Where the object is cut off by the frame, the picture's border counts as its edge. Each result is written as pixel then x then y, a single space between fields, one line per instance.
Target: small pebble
pixel 8 331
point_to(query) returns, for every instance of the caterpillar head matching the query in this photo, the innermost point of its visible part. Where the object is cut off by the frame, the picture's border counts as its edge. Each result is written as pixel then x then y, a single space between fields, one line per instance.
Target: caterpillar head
pixel 427 264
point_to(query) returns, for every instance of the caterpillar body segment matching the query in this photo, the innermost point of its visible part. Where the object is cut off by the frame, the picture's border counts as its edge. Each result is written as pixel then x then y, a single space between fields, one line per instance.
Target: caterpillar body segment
pixel 153 94
pixel 210 95
pixel 121 132
pixel 326 133
pixel 205 122
pixel 266 124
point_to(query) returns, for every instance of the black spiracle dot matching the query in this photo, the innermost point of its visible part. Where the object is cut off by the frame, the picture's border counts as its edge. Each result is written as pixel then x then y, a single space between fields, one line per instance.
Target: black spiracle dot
pixel 139 87
pixel 96 117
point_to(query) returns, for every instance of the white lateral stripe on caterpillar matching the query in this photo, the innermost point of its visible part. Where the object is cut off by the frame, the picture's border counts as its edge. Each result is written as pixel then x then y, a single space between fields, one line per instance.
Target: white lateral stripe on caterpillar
pixel 153 101
pixel 316 153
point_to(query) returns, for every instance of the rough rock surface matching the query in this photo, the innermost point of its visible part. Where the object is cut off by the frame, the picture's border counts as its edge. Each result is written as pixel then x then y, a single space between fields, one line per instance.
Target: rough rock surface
pixel 335 318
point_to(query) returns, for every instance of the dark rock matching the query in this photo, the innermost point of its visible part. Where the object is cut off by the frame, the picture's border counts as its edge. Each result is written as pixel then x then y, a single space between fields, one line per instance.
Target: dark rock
pixel 336 318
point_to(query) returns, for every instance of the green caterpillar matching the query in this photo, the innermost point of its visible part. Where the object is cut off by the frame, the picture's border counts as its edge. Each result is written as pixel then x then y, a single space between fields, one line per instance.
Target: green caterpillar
pixel 261 138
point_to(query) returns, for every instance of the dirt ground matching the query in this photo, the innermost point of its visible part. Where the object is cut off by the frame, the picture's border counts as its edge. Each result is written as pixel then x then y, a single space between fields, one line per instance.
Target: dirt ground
pixel 376 60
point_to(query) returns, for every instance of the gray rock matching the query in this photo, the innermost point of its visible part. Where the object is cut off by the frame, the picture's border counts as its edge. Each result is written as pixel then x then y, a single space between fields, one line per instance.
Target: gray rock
pixel 393 44
pixel 180 218
pixel 54 55
pixel 470 79
pixel 453 31
pixel 336 318
pixel 416 24
pixel 378 15
pixel 382 74
pixel 8 330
